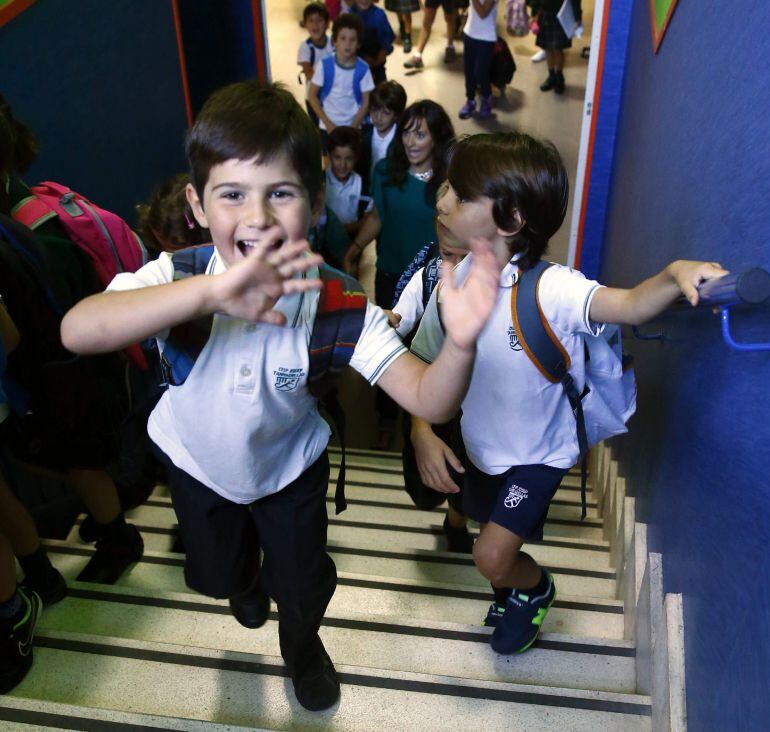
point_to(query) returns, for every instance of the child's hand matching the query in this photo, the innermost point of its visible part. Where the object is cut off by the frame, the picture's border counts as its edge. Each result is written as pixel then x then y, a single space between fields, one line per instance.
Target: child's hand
pixel 393 318
pixel 250 288
pixel 465 310
pixel 688 275
pixel 432 455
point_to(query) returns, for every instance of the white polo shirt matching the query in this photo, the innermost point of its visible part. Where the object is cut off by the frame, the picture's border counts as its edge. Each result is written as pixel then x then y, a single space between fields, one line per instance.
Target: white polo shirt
pixel 305 54
pixel 244 423
pixel 511 414
pixel 340 104
pixel 342 197
pixel 380 146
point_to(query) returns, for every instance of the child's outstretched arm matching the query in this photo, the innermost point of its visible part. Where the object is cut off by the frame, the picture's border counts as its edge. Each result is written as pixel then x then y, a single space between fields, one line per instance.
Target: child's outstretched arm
pixel 249 289
pixel 654 295
pixel 434 392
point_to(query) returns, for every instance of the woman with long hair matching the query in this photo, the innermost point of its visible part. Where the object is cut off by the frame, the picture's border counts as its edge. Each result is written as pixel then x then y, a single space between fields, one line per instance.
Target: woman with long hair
pixel 404 189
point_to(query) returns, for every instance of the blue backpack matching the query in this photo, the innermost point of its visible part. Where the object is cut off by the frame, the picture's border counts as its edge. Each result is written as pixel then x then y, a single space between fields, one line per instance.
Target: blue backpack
pixel 359 71
pixel 336 329
pixel 608 399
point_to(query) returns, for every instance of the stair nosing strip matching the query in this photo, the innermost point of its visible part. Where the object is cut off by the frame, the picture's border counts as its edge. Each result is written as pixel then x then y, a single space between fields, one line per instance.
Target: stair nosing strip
pixel 346 677
pixel 373 626
pixel 365 583
pixel 433 531
pixel 68 722
pixel 591 523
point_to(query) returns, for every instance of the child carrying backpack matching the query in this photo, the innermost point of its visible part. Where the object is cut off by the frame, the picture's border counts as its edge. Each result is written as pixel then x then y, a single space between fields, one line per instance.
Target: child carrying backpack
pixel 545 355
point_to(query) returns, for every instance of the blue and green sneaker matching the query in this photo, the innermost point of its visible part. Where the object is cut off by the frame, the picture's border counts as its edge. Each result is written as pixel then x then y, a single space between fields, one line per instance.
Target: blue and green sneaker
pixel 494 615
pixel 520 624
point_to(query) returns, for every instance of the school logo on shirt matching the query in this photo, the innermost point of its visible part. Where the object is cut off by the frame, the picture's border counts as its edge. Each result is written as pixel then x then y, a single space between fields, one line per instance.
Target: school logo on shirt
pixel 516 494
pixel 287 379
pixel 513 339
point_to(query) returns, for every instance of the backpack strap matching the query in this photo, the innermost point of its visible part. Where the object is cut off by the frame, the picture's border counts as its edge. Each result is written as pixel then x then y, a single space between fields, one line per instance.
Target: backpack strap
pixel 430 277
pixel 337 327
pixel 547 353
pixel 186 340
pixel 328 67
pixel 32 212
pixel 311 46
pixel 358 75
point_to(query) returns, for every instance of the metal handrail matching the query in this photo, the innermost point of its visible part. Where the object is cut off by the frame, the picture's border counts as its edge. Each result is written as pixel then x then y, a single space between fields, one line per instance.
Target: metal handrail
pixel 749 287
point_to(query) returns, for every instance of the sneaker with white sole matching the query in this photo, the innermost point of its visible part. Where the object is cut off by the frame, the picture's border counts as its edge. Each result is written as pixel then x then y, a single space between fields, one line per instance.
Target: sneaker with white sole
pixel 16 637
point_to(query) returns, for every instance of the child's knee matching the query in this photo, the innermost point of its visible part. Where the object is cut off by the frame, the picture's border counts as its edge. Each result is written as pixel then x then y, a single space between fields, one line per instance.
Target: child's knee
pixel 494 562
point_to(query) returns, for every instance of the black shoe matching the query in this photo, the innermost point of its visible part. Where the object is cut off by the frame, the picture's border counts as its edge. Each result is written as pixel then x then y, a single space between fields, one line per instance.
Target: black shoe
pixel 407 43
pixel 458 540
pixel 113 556
pixel 550 82
pixel 89 530
pixel 16 642
pixel 51 589
pixel 558 87
pixel 317 686
pixel 251 608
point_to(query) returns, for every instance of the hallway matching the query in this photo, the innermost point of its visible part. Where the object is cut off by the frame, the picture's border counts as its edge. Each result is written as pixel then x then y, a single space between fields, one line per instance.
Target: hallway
pixel 524 107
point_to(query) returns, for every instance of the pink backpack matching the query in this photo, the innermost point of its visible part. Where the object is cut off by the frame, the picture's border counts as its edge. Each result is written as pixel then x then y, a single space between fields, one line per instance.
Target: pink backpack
pixel 112 245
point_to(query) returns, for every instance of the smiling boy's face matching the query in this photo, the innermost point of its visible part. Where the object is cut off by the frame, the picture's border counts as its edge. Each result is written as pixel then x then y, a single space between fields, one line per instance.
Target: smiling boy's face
pixel 246 203
pixel 316 27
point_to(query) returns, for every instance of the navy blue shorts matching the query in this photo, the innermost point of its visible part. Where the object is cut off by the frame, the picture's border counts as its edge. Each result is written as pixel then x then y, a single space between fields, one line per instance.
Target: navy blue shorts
pixel 517 499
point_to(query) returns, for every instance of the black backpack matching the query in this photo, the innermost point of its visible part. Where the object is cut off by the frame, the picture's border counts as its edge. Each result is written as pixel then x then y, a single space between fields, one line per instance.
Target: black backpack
pixel 502 67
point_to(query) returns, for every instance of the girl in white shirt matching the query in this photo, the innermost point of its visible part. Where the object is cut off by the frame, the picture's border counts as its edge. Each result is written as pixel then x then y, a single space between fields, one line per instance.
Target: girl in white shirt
pixel 479 38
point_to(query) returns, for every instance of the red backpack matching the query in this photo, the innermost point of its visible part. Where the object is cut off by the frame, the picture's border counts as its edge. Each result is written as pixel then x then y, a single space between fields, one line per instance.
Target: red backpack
pixel 110 242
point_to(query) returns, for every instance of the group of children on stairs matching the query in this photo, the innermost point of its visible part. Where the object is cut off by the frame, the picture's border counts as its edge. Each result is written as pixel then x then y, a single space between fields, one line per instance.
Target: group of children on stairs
pixel 241 435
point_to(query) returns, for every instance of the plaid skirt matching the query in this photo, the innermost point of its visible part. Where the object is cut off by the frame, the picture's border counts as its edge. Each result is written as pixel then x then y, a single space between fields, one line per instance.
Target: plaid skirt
pixel 552 36
pixel 402 6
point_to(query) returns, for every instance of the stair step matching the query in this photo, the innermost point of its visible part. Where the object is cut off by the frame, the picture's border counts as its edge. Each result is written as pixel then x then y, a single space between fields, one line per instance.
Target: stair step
pixel 571 577
pixel 562 521
pixel 441 648
pixel 420 600
pixel 229 687
pixel 160 533
pixel 35 714
pixel 387 458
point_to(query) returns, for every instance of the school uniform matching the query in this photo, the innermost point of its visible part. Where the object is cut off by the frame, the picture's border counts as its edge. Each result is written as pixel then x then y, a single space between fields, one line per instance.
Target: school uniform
pixel 247 450
pixel 340 104
pixel 343 197
pixel 515 467
pixel 378 36
pixel 309 53
pixel 374 147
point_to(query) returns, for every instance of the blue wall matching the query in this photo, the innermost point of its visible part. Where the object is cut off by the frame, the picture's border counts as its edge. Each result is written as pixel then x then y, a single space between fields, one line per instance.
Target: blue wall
pixel 99 83
pixel 691 179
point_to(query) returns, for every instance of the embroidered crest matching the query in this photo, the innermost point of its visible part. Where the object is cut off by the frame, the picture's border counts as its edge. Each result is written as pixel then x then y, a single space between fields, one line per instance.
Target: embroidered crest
pixel 287 379
pixel 516 494
pixel 513 339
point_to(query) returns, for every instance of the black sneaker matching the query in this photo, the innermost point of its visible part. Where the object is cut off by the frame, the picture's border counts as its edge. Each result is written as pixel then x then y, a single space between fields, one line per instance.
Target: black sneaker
pixel 113 557
pixel 16 642
pixel 89 530
pixel 51 589
pixel 251 608
pixel 458 540
pixel 317 686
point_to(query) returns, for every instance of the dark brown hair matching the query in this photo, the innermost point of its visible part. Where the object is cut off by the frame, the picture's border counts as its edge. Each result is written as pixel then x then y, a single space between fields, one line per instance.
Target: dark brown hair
pixel 389 95
pixel 342 136
pixel 166 221
pixel 315 9
pixel 519 173
pixel 248 120
pixel 348 20
pixel 442 132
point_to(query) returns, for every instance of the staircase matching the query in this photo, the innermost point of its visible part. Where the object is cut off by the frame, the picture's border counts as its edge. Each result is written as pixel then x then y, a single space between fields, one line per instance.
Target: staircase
pixel 403 630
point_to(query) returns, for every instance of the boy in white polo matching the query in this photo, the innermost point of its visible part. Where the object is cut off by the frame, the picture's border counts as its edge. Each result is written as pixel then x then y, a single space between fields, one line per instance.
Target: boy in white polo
pixel 517 427
pixel 244 443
